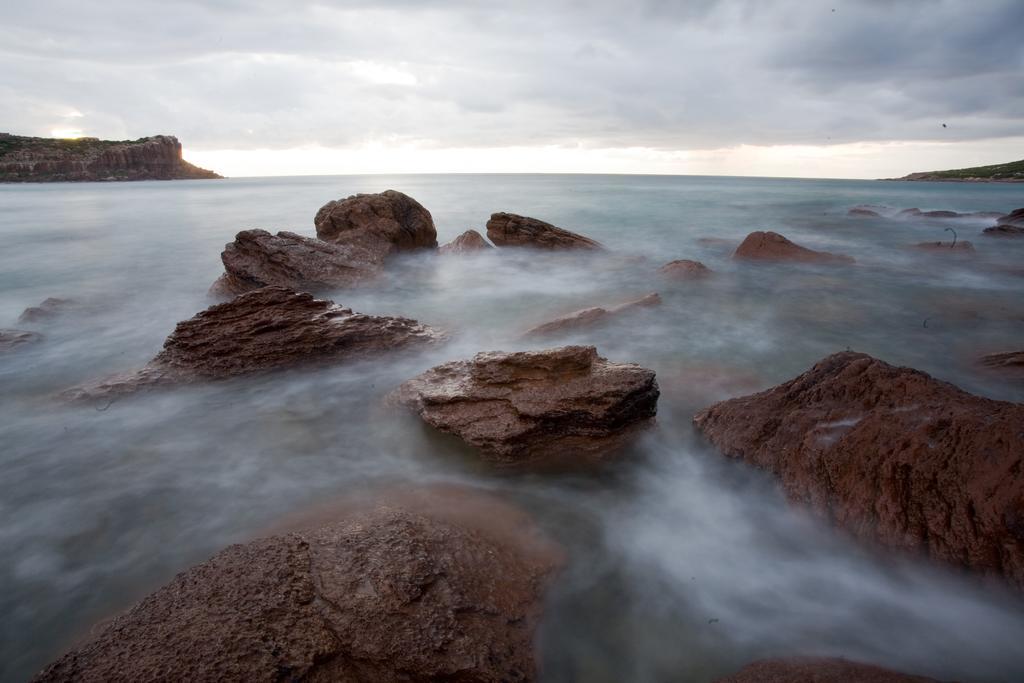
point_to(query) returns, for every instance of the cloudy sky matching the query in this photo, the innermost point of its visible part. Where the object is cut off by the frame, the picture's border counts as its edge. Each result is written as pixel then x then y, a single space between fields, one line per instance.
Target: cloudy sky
pixel 834 88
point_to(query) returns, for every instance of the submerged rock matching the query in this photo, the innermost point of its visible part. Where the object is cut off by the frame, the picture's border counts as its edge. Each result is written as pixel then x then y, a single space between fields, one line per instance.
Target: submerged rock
pixel 467 242
pixel 892 455
pixel 382 224
pixel 861 212
pixel 589 317
pixel 1015 217
pixel 685 269
pixel 918 213
pixel 560 405
pixel 510 230
pixel 266 329
pixel 1004 230
pixel 960 247
pixel 1009 364
pixel 817 670
pixel 47 310
pixel 395 592
pixel 257 258
pixel 12 339
pixel 771 246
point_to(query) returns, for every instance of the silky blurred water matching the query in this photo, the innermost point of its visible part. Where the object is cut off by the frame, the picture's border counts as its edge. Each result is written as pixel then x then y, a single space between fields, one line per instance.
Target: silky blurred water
pixel 684 565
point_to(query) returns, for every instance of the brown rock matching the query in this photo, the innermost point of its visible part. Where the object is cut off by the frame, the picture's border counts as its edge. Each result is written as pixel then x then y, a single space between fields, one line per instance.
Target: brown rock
pixel 382 224
pixel 510 230
pixel 589 317
pixel 257 259
pixel 467 242
pixel 47 310
pixel 684 269
pixel 1009 364
pixel 817 670
pixel 391 593
pixel 960 247
pixel 558 406
pixel 1015 217
pixel 1004 230
pixel 892 455
pixel 12 339
pixel 861 212
pixel 771 246
pixel 262 330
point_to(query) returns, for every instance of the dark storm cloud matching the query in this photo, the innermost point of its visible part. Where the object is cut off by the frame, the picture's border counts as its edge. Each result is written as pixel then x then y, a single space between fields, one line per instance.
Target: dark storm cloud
pixel 660 74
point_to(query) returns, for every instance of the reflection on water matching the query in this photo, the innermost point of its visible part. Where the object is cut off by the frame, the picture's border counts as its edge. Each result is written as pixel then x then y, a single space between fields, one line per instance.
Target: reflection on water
pixel 685 565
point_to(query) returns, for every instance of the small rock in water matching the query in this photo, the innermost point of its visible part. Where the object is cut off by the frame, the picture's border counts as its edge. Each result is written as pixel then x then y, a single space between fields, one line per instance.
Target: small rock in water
pixel 861 212
pixel 589 317
pixel 46 310
pixel 1015 217
pixel 685 269
pixel 511 230
pixel 468 242
pixel 818 670
pixel 1004 230
pixel 1010 364
pixel 771 246
pixel 13 339
pixel 960 247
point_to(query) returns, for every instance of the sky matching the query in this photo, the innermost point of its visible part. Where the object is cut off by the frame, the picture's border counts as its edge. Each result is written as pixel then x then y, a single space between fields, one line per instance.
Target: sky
pixel 802 88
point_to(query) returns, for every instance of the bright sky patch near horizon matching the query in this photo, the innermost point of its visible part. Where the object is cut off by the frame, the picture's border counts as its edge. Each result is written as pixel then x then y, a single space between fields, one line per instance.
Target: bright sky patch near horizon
pixel 854 89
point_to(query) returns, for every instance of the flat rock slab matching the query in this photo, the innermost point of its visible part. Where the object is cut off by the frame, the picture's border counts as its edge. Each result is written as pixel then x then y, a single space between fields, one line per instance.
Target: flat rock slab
pixel 559 406
pixel 685 269
pixel 266 329
pixel 390 593
pixel 14 339
pixel 892 455
pixel 468 242
pixel 590 317
pixel 771 246
pixel 511 230
pixel 383 223
pixel 818 670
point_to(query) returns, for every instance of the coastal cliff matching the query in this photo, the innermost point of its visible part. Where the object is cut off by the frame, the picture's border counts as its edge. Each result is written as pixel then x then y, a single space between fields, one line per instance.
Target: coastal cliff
pixel 27 159
pixel 1012 172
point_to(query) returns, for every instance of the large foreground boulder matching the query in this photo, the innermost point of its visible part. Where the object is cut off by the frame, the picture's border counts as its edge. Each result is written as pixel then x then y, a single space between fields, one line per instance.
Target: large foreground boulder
pixel 511 230
pixel 257 258
pixel 892 455
pixel 383 223
pixel 771 246
pixel 266 329
pixel 559 406
pixel 13 339
pixel 817 670
pixel 392 593
pixel 590 317
pixel 468 242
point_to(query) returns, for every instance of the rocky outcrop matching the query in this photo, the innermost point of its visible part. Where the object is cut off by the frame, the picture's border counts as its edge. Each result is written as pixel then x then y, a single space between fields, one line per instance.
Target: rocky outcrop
pixel 918 213
pixel 510 230
pixel 1009 365
pixel 1015 217
pixel 382 224
pixel 257 259
pixel 48 309
pixel 468 242
pixel 24 159
pixel 557 406
pixel 771 246
pixel 13 339
pixel 861 212
pixel 959 247
pixel 266 329
pixel 685 269
pixel 394 592
pixel 1004 230
pixel 590 317
pixel 817 670
pixel 892 455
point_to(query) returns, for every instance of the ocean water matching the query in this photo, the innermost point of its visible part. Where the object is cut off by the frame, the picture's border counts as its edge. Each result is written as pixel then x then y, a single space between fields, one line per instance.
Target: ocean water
pixel 684 566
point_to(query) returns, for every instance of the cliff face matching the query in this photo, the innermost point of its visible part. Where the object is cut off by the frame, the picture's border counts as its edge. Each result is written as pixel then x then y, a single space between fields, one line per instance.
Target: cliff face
pixel 25 159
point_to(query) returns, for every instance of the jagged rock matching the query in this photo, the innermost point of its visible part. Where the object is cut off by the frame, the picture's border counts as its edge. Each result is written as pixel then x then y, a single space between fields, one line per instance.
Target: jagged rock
pixel 392 592
pixel 257 259
pixel 560 405
pixel 861 212
pixel 960 247
pixel 382 224
pixel 893 456
pixel 12 339
pixel 685 269
pixel 467 242
pixel 817 670
pixel 1004 230
pixel 266 329
pixel 589 317
pixel 47 310
pixel 510 230
pixel 771 246
pixel 1015 217
pixel 1009 364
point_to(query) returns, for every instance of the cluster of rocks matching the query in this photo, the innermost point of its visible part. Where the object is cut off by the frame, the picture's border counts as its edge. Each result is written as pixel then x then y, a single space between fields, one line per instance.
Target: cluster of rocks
pixel 1006 225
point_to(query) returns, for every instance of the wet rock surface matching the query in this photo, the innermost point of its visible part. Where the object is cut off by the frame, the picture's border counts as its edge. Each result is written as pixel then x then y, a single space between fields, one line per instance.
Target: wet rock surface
pixel 11 340
pixel 468 242
pixel 266 329
pixel 685 269
pixel 771 246
pixel 892 455
pixel 429 589
pixel 818 670
pixel 383 224
pixel 511 230
pixel 561 405
pixel 590 317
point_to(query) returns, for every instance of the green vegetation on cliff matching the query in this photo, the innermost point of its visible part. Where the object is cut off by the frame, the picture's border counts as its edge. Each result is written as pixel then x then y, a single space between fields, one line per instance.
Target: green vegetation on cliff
pixel 1010 172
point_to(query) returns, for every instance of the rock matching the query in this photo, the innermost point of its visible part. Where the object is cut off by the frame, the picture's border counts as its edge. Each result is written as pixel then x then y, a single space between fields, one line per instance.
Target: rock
pixel 938 214
pixel 559 405
pixel 960 247
pixel 12 339
pixel 266 329
pixel 771 246
pixel 893 456
pixel 685 269
pixel 257 259
pixel 910 212
pixel 50 308
pixel 1009 364
pixel 510 230
pixel 1015 217
pixel 589 317
pixel 467 242
pixel 1004 230
pixel 918 213
pixel 394 592
pixel 382 224
pixel 861 212
pixel 817 670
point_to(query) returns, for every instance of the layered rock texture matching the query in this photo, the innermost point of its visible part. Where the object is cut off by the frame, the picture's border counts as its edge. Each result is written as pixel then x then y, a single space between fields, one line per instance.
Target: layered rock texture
pixel 466 243
pixel 590 317
pixel 559 406
pixel 382 224
pixel 685 269
pixel 771 246
pixel 14 339
pixel 818 670
pixel 510 230
pixel 892 455
pixel 24 159
pixel 266 329
pixel 392 593
pixel 257 258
